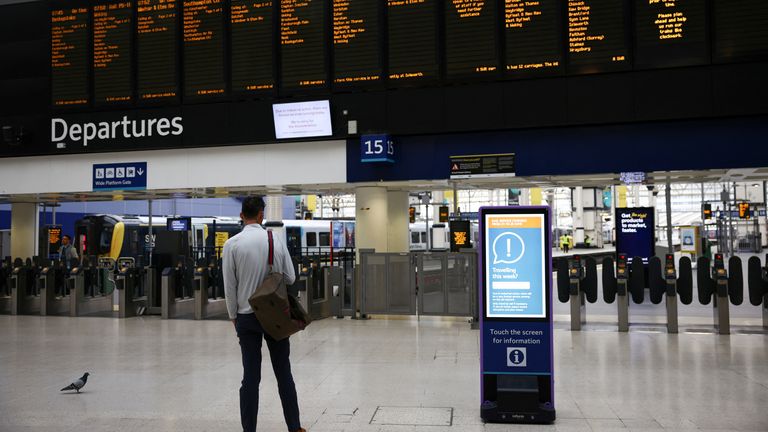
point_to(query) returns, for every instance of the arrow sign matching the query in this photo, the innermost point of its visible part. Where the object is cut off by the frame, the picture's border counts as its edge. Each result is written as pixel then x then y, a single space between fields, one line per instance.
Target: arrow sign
pixel 125 176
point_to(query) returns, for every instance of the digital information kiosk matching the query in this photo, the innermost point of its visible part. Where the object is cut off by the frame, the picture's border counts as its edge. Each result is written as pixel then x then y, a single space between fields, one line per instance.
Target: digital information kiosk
pixel 517 381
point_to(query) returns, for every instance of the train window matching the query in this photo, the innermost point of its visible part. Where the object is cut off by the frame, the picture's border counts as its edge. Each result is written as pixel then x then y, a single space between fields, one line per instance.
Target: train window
pixel 325 239
pixel 105 241
pixel 414 238
pixel 311 239
pixel 423 237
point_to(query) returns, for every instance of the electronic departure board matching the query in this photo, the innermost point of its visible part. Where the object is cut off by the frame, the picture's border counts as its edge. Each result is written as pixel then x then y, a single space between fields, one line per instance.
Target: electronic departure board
pixel 412 30
pixel 252 46
pixel 157 49
pixel 533 36
pixel 112 53
pixel 670 33
pixel 356 41
pixel 302 44
pixel 740 29
pixel 470 38
pixel 69 56
pixel 597 36
pixel 203 36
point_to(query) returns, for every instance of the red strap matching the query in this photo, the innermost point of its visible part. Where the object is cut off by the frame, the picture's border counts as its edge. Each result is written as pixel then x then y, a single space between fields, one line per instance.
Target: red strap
pixel 271 256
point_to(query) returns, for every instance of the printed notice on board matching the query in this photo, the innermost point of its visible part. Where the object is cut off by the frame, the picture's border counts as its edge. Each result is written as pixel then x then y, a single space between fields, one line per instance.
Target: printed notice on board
pixel 515 268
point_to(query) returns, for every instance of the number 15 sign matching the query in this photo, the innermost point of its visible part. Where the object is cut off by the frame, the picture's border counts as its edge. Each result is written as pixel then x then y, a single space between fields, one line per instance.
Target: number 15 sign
pixel 377 148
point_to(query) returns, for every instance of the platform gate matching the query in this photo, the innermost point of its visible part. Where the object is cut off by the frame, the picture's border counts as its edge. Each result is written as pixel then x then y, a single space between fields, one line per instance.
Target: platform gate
pixel 437 283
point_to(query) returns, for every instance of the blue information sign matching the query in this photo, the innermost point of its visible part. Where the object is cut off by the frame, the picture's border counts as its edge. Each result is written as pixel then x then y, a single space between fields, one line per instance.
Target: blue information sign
pixel 377 148
pixel 516 318
pixel 120 176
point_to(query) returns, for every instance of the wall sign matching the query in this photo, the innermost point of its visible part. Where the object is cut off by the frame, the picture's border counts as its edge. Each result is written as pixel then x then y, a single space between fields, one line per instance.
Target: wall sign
pixel 492 165
pixel 377 148
pixel 120 176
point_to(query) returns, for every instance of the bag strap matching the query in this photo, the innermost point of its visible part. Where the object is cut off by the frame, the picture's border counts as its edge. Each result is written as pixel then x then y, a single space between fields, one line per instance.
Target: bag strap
pixel 271 255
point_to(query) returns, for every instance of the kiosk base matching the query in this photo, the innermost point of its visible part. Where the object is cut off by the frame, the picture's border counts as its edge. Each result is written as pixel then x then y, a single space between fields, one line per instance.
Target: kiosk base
pixel 491 413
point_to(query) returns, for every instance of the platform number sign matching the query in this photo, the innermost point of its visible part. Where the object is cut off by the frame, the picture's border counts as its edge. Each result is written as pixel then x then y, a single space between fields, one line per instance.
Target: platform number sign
pixel 377 148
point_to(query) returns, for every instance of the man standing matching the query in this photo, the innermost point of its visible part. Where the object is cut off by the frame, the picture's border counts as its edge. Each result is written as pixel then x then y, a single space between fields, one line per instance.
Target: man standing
pixel 67 252
pixel 244 265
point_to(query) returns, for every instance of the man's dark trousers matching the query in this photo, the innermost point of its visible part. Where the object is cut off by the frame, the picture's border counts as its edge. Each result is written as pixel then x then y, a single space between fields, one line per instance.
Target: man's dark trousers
pixel 250 333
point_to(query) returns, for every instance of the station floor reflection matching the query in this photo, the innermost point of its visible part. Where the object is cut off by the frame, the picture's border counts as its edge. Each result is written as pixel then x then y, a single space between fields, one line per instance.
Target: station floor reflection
pixel 377 375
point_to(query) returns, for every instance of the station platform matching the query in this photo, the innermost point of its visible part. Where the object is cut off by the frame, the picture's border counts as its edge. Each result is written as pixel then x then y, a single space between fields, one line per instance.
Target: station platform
pixel 148 374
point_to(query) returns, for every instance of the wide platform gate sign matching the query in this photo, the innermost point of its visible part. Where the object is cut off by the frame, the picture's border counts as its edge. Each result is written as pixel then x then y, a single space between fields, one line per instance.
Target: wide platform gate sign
pixel 517 384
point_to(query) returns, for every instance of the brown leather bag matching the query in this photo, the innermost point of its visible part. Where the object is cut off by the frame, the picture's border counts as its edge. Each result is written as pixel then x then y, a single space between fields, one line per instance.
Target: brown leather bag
pixel 279 313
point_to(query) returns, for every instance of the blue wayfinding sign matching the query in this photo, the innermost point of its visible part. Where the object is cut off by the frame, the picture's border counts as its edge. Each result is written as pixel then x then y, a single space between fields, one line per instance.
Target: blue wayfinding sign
pixel 377 148
pixel 517 384
pixel 120 176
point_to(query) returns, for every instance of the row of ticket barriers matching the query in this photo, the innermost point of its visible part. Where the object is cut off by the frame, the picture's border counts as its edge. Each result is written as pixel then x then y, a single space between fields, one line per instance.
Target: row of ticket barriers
pixel 717 284
pixel 125 288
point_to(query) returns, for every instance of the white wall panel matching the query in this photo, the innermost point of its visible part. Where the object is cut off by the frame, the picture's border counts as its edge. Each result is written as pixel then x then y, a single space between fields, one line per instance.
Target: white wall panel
pixel 256 165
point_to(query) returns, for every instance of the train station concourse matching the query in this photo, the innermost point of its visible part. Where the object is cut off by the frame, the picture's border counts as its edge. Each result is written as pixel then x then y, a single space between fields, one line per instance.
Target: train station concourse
pixel 356 215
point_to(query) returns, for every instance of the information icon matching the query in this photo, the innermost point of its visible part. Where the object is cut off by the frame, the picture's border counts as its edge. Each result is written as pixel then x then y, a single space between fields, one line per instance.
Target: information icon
pixel 516 357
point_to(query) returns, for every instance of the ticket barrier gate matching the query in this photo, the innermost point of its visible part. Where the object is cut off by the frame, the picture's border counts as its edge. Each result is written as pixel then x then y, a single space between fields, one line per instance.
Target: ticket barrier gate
pixel 577 284
pixel 720 287
pixel 89 291
pixel 25 295
pixel 758 285
pixel 616 288
pixel 5 285
pixel 208 302
pixel 54 292
pixel 313 290
pixel 667 285
pixel 128 282
pixel 177 296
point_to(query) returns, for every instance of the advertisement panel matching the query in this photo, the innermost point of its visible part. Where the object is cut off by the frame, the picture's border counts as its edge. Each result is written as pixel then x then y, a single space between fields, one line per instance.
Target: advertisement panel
pixel 635 233
pixel 689 239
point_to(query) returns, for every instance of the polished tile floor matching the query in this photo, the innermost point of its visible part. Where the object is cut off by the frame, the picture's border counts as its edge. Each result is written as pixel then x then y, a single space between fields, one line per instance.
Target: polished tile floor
pixel 379 375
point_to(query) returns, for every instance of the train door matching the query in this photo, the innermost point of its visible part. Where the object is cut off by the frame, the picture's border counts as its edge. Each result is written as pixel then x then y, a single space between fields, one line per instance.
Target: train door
pixel 293 239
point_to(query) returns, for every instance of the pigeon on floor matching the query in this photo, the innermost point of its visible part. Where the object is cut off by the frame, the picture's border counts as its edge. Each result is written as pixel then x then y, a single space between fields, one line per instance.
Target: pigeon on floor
pixel 78 383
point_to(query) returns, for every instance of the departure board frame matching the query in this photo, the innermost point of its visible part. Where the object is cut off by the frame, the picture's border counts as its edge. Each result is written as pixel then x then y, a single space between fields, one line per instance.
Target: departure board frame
pixel 119 101
pixel 86 99
pixel 176 98
pixel 513 62
pixel 582 39
pixel 200 49
pixel 661 33
pixel 458 62
pixel 304 82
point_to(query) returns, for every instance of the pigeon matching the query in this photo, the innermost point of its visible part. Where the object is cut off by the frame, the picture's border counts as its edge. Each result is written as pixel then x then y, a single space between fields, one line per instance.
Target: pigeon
pixel 78 383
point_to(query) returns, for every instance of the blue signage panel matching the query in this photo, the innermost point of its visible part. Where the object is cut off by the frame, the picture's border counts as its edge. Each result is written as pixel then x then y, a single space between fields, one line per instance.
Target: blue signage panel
pixel 377 148
pixel 517 383
pixel 120 176
pixel 179 224
pixel 635 233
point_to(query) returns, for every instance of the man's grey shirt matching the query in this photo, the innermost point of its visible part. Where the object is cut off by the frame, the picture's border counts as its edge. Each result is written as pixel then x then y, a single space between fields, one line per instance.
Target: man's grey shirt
pixel 244 263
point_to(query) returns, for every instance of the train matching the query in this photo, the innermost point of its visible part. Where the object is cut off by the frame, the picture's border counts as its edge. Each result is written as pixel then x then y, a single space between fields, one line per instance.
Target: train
pixel 114 236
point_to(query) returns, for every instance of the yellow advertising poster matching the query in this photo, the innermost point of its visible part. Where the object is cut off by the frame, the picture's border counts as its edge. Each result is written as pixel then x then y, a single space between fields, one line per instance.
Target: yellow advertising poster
pixel 221 238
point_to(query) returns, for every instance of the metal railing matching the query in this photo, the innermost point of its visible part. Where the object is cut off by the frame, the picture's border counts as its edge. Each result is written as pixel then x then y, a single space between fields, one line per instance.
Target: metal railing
pixel 418 283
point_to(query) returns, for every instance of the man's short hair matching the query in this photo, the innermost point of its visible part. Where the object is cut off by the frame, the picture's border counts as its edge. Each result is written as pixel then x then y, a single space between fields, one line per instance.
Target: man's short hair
pixel 252 206
pixel 67 237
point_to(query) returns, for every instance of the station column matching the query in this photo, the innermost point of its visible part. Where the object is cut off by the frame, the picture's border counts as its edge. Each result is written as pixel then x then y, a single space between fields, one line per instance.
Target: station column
pixel 381 219
pixel 24 227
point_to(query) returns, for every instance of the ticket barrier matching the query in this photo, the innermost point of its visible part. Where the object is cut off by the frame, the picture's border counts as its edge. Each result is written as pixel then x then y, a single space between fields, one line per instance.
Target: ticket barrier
pixel 128 282
pixel 666 285
pixel 25 296
pixel 89 291
pixel 577 284
pixel 208 302
pixel 720 287
pixel 758 285
pixel 177 296
pixel 5 285
pixel 313 289
pixel 18 282
pixel 54 292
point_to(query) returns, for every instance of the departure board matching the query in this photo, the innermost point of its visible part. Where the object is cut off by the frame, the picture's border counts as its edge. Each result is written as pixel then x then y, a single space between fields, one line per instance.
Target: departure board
pixel 597 36
pixel 69 56
pixel 740 29
pixel 533 36
pixel 112 53
pixel 252 52
pixel 203 36
pixel 302 44
pixel 412 28
pixel 470 38
pixel 670 33
pixel 356 54
pixel 157 49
